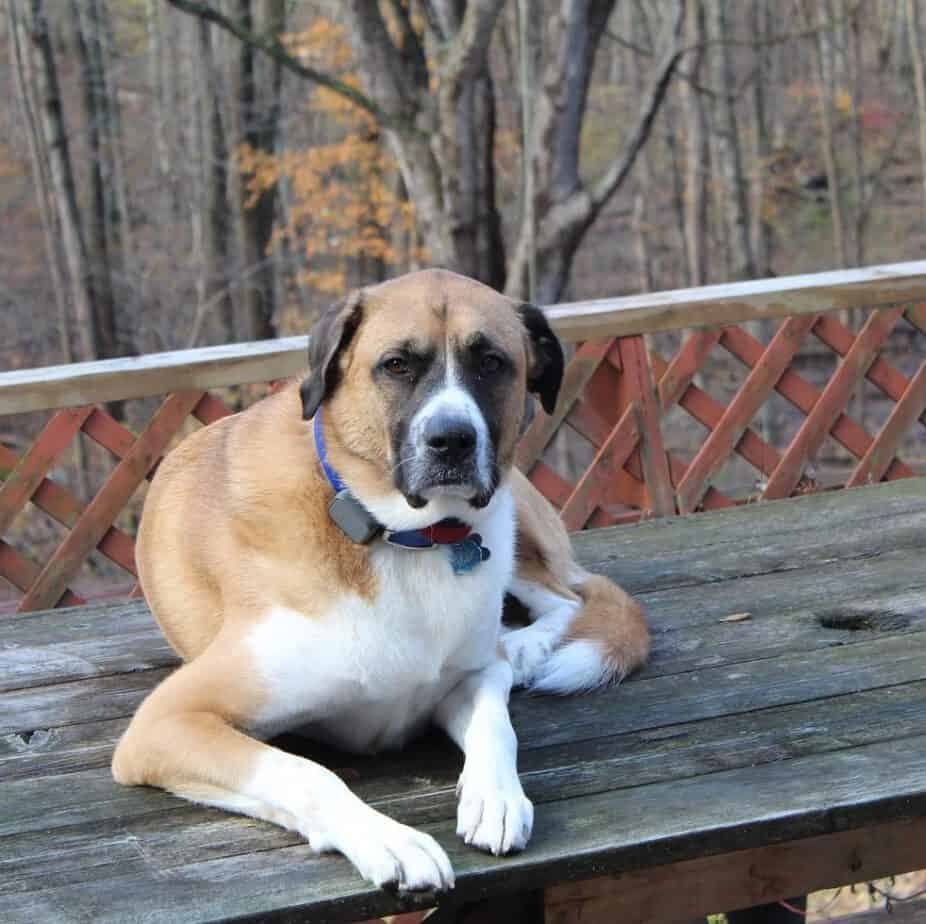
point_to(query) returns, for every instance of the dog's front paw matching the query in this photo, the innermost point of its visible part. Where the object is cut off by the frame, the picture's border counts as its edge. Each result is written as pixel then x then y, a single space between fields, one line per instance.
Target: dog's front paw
pixel 391 854
pixel 493 815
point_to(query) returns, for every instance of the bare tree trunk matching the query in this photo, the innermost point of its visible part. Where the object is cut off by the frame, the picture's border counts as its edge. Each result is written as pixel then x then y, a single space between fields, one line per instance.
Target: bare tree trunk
pixel 215 221
pixel 55 138
pixel 23 80
pixel 121 225
pixel 87 31
pixel 161 79
pixel 742 260
pixel 762 239
pixel 856 71
pixel 640 218
pixel 825 65
pixel 259 112
pixel 919 78
pixel 696 149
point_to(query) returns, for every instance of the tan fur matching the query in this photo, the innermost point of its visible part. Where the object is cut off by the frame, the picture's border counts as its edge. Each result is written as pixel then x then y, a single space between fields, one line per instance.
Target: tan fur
pixel 609 615
pixel 360 423
pixel 232 524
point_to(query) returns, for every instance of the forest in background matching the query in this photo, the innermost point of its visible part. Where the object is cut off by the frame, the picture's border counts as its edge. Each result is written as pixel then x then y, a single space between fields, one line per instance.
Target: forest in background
pixel 177 173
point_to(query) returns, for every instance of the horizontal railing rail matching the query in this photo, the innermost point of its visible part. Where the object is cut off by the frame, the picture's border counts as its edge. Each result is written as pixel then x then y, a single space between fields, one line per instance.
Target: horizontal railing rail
pixel 724 413
pixel 78 384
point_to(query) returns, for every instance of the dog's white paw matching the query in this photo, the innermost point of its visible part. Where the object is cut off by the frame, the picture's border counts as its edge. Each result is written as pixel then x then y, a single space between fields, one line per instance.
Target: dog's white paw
pixel 527 650
pixel 493 815
pixel 391 854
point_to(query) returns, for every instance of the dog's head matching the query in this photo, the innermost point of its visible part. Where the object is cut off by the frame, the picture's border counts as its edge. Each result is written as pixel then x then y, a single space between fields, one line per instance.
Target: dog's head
pixel 426 378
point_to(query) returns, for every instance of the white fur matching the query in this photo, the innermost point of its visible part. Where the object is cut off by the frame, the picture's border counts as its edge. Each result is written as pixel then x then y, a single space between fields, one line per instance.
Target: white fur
pixel 577 666
pixel 454 397
pixel 493 812
pixel 529 648
pixel 317 804
pixel 367 675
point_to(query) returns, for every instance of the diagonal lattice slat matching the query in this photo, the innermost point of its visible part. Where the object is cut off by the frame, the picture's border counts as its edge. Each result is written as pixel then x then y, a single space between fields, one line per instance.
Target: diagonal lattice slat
pixel 828 409
pixel 95 521
pixel 29 472
pixel 801 394
pixel 877 460
pixel 742 409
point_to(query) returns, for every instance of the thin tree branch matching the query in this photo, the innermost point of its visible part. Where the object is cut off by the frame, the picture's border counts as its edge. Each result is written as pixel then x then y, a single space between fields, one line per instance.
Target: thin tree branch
pixel 614 176
pixel 274 49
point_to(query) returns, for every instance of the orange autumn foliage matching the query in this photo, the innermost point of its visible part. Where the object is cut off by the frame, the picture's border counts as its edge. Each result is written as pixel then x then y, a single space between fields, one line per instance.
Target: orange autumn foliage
pixel 344 200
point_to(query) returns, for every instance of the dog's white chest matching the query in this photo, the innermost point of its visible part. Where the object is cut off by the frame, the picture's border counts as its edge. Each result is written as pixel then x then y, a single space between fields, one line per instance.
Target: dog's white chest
pixel 368 673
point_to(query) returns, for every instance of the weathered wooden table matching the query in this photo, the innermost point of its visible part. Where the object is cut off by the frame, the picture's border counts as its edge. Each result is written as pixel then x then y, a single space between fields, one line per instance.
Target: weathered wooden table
pixel 776 743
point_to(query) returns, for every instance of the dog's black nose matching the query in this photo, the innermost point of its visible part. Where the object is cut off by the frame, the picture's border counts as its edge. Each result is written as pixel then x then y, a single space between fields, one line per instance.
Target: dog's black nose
pixel 451 437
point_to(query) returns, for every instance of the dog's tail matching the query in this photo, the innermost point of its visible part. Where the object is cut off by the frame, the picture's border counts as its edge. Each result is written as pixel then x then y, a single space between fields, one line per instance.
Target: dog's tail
pixel 607 639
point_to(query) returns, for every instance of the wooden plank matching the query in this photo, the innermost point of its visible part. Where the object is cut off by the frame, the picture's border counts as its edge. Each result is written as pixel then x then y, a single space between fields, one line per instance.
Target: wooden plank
pixel 716 449
pixel 644 705
pixel 54 751
pixel 903 416
pixel 418 787
pixel 642 390
pixel 419 783
pixel 19 486
pixel 78 384
pixel 786 536
pixel 725 690
pixel 235 364
pixel 107 697
pixel 97 518
pixel 574 838
pixel 734 303
pixel 680 892
pixel 829 408
pixel 122 649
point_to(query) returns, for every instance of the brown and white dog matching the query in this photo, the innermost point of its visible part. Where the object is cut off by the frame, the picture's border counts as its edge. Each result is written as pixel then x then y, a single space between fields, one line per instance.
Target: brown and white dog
pixel 284 621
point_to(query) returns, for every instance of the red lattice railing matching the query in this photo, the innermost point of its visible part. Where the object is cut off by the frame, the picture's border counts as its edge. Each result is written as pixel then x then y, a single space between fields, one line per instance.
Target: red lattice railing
pixel 616 393
pixel 618 397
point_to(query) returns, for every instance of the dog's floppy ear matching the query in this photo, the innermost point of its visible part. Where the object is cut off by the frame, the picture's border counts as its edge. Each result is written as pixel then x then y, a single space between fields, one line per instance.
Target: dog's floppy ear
pixel 329 335
pixel 544 357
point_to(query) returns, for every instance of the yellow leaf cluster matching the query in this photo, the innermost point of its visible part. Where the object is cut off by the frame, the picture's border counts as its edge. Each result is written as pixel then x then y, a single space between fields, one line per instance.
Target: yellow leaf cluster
pixel 344 196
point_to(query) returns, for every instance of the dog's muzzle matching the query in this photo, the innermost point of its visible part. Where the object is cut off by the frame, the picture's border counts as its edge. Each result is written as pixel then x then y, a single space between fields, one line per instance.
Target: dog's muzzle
pixel 447 453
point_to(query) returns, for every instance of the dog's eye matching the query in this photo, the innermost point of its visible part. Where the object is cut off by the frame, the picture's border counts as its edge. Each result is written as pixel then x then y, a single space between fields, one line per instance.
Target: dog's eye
pixel 490 364
pixel 395 365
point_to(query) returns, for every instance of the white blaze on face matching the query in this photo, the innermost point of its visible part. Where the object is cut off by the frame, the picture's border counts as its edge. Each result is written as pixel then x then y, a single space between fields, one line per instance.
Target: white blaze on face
pixel 453 399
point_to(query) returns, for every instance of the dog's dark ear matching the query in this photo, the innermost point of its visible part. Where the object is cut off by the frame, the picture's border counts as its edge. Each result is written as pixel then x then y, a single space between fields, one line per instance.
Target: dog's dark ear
pixel 329 335
pixel 544 357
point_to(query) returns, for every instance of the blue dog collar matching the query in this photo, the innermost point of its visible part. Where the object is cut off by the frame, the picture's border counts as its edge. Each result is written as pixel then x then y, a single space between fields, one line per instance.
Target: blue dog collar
pixel 465 547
